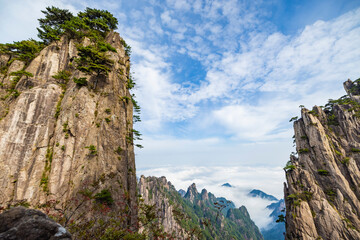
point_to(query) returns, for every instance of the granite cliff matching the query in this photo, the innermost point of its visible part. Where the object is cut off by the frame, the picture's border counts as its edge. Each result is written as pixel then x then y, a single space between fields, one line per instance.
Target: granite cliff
pixel 322 191
pixel 66 124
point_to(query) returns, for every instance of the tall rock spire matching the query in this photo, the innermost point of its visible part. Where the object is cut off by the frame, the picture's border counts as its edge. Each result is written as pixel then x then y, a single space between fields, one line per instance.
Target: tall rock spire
pixel 322 191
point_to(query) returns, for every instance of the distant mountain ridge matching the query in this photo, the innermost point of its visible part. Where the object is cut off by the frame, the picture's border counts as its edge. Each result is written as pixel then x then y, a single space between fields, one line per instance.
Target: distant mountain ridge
pixel 276 230
pixel 201 215
pixel 261 194
pixel 226 185
pixel 182 192
pixel 277 207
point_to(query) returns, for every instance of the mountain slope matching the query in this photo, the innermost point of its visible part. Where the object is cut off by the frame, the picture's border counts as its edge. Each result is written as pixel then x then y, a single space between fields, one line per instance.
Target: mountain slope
pixel 275 230
pixel 197 214
pixel 322 191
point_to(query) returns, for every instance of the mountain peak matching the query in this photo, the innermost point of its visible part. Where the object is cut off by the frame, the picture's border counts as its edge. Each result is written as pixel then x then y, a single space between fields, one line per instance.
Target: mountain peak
pixel 204 195
pixel 261 194
pixel 225 219
pixel 182 192
pixel 325 171
pixel 226 185
pixel 192 192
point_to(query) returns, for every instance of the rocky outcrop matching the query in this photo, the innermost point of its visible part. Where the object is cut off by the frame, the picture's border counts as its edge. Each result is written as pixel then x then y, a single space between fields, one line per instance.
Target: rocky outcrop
pixel 226 221
pixel 322 191
pixel 58 138
pixel 191 193
pixel 154 192
pixel 21 223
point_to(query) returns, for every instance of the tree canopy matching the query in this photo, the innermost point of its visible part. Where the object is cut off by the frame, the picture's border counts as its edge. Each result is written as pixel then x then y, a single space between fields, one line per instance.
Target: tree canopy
pixel 100 20
pixel 93 61
pixel 51 27
pixel 23 50
pixel 92 22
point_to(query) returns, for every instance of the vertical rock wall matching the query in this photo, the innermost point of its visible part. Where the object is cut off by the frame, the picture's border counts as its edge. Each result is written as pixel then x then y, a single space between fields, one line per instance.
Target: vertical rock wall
pixel 47 131
pixel 322 191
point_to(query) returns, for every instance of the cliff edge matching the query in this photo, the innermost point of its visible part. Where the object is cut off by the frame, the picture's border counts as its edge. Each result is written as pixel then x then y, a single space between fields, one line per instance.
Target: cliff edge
pixel 66 123
pixel 322 191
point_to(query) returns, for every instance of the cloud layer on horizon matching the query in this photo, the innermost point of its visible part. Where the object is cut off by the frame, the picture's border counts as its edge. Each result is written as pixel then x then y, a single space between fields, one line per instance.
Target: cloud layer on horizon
pixel 243 180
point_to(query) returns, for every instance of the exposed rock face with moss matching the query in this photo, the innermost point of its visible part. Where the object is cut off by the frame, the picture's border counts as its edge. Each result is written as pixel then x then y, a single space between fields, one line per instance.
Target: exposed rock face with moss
pixel 58 137
pixel 199 215
pixel 322 192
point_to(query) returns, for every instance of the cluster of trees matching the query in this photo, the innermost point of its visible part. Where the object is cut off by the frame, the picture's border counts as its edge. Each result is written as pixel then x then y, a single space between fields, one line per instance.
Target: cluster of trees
pixel 93 23
pixel 23 50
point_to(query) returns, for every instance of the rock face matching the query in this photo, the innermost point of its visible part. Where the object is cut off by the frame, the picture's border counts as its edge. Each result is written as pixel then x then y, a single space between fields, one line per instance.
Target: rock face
pixel 153 190
pixel 322 191
pixel 199 215
pixel 28 224
pixel 57 138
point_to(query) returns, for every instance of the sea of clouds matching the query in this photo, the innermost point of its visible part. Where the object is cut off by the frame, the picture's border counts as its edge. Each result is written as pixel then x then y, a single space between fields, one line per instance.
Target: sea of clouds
pixel 243 180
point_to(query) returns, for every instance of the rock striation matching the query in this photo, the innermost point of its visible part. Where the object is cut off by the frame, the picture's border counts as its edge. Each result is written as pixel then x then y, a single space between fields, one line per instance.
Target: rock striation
pixel 322 191
pixel 21 223
pixel 58 138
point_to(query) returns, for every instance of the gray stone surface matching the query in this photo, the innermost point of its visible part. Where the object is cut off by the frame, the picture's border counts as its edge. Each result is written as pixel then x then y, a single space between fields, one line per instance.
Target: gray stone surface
pixel 28 224
pixel 45 158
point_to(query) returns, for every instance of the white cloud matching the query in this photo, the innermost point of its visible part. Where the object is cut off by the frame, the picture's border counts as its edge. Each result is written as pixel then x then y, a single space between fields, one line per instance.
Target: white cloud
pixel 165 151
pixel 255 89
pixel 161 100
pixel 279 73
pixel 15 23
pixel 253 123
pixel 169 21
pixel 244 179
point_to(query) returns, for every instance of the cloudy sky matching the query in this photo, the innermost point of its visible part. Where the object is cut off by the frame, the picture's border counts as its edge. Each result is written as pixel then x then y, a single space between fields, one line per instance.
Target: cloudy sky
pixel 219 80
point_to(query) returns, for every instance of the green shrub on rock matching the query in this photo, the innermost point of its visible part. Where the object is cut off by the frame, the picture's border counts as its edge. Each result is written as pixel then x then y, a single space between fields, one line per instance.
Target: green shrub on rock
pixel 104 197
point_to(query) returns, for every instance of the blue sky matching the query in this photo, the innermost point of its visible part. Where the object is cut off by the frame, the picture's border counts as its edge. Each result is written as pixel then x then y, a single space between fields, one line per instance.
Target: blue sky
pixel 218 81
